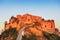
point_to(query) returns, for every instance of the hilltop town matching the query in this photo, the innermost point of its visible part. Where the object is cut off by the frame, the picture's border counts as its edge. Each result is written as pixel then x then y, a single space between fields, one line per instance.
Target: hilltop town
pixel 40 26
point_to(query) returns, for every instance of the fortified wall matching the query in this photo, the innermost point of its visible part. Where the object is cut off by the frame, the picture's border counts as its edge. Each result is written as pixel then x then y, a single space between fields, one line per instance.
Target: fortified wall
pixel 20 20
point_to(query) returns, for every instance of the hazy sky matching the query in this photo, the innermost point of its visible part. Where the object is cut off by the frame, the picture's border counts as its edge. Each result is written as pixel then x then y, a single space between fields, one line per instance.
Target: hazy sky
pixel 48 9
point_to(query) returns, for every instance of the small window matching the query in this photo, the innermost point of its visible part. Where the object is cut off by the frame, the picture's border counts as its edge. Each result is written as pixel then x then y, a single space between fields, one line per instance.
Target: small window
pixel 45 25
pixel 41 26
pixel 28 19
pixel 51 26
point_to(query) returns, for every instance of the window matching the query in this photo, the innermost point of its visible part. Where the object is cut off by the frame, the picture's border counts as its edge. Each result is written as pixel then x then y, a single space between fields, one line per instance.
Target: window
pixel 45 25
pixel 28 19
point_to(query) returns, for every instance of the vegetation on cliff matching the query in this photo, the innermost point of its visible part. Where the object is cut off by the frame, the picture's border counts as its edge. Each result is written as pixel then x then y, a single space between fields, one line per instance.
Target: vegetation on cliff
pixel 11 34
pixel 51 36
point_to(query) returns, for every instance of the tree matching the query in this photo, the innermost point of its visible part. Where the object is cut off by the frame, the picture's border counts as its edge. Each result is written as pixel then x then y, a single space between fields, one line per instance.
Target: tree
pixel 31 37
pixel 11 33
pixel 51 36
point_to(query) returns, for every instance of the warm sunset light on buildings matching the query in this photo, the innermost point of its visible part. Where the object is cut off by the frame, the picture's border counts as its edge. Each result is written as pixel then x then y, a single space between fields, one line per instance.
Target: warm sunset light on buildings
pixel 21 20
pixel 32 24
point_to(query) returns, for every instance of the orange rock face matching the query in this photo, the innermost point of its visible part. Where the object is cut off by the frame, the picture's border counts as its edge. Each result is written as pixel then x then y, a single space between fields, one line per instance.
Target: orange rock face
pixel 19 21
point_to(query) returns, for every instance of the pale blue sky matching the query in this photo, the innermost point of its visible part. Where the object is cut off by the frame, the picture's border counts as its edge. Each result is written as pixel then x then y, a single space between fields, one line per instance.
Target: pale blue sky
pixel 48 9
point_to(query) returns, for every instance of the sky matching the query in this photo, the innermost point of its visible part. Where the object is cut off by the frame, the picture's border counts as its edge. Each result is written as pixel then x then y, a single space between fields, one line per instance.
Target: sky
pixel 47 9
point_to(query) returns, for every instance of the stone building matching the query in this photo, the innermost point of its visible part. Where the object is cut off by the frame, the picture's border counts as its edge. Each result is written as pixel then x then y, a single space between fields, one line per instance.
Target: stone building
pixel 41 25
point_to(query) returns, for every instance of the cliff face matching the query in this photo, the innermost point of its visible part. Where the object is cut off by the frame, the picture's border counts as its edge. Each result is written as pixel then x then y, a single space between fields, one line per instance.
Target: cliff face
pixel 41 25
